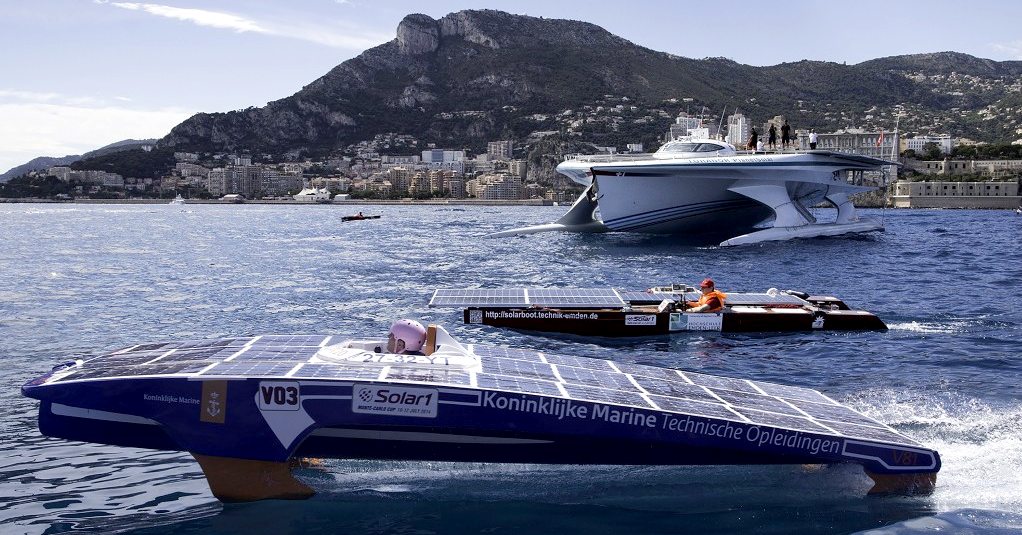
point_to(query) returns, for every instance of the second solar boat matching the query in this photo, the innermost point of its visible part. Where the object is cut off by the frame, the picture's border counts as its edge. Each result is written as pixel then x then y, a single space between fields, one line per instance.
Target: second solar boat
pixel 656 311
pixel 248 408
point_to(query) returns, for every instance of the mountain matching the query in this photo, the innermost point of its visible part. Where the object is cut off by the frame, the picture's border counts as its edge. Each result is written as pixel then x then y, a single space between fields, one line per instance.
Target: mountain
pixel 44 162
pixel 477 76
pixel 557 86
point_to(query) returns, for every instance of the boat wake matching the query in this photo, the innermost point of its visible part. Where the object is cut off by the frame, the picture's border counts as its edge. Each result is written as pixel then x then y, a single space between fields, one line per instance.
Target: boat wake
pixel 980 444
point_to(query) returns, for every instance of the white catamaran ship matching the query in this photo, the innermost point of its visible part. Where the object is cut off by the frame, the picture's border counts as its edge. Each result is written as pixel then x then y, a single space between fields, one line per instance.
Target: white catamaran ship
pixel 705 189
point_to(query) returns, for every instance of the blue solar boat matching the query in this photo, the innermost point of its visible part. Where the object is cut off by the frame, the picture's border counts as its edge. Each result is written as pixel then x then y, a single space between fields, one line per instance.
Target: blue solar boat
pixel 249 408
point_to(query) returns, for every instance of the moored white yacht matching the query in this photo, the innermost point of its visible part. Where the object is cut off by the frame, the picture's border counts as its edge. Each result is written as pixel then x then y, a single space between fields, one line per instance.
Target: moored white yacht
pixel 313 195
pixel 706 189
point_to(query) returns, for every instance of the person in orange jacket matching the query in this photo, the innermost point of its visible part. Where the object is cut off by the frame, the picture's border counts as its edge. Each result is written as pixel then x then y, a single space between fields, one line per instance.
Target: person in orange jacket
pixel 710 301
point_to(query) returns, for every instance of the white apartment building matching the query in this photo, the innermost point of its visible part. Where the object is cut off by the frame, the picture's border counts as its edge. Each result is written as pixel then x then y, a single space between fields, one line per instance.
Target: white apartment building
pixel 738 130
pixel 944 142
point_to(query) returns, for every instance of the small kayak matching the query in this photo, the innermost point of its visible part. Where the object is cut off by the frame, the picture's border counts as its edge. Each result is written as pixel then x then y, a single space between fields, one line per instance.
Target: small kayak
pixel 359 217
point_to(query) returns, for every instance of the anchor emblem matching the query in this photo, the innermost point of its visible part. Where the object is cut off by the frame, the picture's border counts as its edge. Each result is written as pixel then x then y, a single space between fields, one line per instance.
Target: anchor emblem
pixel 213 407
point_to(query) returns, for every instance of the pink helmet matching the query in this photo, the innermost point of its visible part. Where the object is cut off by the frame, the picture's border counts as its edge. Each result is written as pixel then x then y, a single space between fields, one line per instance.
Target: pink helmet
pixel 410 333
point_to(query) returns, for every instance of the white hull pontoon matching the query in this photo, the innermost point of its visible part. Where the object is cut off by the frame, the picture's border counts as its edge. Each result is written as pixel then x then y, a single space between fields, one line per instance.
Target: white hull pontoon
pixel 702 193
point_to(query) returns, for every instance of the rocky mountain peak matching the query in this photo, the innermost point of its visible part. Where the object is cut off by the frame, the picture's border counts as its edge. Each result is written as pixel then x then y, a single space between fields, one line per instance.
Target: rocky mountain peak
pixel 418 34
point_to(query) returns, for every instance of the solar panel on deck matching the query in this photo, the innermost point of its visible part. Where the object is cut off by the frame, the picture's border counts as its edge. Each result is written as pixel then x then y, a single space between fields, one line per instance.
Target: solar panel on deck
pixel 511 353
pixel 549 297
pixel 755 401
pixel 648 371
pixel 606 395
pixel 646 297
pixel 713 381
pixel 674 388
pixel 579 362
pixel 576 297
pixel 518 384
pixel 289 341
pixel 269 354
pixel 869 432
pixel 606 379
pixel 251 369
pixel 492 297
pixel 695 408
pixel 762 299
pixel 781 420
pixel 841 413
pixel 793 393
pixel 518 368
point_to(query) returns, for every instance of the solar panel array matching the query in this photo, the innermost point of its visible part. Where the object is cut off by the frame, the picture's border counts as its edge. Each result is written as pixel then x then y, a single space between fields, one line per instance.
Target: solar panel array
pixel 585 297
pixel 524 297
pixel 507 369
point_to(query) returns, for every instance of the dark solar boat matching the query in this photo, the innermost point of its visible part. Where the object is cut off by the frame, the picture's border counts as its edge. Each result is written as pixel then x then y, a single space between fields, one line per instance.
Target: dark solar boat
pixel 656 311
pixel 248 408
pixel 358 217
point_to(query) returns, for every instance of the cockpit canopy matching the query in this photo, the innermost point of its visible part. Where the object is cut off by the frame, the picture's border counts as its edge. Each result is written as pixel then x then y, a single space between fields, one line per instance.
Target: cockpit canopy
pixel 694 149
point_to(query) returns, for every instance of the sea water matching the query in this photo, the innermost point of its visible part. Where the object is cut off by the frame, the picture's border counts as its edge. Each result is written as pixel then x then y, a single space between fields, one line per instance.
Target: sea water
pixel 80 279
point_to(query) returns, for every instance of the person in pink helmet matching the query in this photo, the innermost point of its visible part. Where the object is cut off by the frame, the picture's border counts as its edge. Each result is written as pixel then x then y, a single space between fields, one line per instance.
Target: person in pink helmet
pixel 406 336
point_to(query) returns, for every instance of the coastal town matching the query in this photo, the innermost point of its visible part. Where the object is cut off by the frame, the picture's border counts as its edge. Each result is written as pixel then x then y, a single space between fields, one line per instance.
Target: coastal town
pixel 389 166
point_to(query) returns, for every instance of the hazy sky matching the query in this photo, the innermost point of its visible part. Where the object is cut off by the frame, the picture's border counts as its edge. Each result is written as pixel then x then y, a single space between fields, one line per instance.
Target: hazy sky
pixel 79 74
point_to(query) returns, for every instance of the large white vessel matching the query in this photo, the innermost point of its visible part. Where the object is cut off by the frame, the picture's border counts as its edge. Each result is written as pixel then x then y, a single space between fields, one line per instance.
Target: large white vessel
pixel 313 195
pixel 707 190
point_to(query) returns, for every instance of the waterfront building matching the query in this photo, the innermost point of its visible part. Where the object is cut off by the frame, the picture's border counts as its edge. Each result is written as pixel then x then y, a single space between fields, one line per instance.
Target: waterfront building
pixel 635 147
pixel 991 168
pixel 400 178
pixel 455 185
pixel 495 186
pixel 956 195
pixel 943 142
pixel 419 183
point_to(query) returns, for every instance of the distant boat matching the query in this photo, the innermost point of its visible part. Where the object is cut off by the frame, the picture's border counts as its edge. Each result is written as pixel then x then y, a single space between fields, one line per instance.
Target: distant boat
pixel 313 195
pixel 178 200
pixel 358 217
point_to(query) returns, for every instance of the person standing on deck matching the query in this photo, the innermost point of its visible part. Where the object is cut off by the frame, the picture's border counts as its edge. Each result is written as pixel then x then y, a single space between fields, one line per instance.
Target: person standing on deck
pixel 772 137
pixel 813 138
pixel 785 135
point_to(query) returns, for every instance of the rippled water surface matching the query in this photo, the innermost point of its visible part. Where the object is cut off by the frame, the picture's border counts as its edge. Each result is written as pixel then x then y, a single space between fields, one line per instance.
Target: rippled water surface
pixel 78 279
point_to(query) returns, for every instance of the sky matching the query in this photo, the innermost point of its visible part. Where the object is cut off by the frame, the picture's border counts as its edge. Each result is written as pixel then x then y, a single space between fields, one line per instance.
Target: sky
pixel 76 75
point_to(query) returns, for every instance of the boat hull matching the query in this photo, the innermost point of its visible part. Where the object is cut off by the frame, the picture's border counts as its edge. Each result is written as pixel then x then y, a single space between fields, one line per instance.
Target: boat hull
pixel 619 323
pixel 462 424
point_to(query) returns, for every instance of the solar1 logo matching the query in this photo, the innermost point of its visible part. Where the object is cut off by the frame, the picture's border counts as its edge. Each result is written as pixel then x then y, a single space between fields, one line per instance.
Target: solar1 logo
pixel 640 319
pixel 390 400
pixel 279 396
